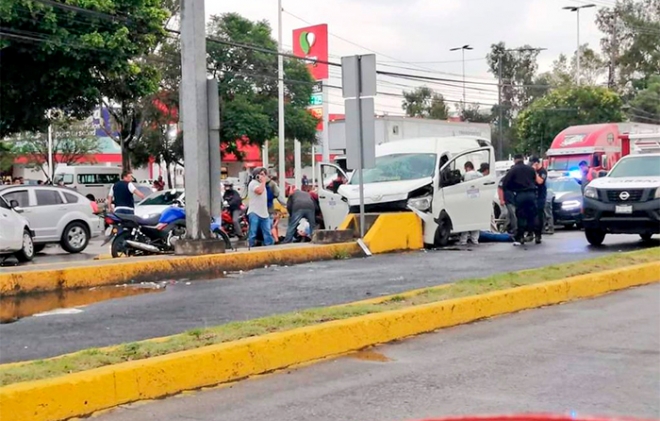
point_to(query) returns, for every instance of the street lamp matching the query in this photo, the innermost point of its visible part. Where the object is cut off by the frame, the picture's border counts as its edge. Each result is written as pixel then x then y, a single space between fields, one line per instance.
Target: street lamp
pixel 463 48
pixel 576 9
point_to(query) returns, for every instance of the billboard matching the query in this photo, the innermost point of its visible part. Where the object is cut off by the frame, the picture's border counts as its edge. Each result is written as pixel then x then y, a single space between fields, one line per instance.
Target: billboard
pixel 312 43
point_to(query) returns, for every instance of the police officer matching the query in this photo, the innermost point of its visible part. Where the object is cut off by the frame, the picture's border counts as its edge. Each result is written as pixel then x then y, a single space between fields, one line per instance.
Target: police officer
pixel 120 199
pixel 541 197
pixel 521 181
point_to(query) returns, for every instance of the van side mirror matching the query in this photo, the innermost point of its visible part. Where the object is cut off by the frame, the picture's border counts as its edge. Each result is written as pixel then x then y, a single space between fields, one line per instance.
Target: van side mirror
pixel 602 174
pixel 450 178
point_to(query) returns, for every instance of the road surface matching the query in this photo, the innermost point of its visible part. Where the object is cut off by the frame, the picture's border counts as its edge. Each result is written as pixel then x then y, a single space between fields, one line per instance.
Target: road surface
pixel 275 290
pixel 595 357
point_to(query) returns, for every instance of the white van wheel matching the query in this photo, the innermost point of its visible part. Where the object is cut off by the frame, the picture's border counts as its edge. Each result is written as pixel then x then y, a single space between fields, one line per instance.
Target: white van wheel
pixel 443 232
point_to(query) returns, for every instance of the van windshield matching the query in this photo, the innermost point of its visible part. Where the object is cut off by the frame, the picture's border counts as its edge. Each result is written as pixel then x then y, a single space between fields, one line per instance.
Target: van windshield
pixel 567 163
pixel 399 167
pixel 639 166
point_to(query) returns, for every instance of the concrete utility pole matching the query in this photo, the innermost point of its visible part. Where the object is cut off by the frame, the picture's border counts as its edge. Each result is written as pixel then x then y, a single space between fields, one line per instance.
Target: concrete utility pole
pixel 576 9
pixel 195 120
pixel 215 163
pixel 280 76
pixel 463 48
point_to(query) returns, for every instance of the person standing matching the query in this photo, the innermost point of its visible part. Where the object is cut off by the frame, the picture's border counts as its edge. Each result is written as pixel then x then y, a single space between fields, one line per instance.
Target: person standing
pixel 521 181
pixel 258 216
pixel 120 198
pixel 470 175
pixel 300 206
pixel 588 174
pixel 541 197
pixel 484 169
pixel 159 184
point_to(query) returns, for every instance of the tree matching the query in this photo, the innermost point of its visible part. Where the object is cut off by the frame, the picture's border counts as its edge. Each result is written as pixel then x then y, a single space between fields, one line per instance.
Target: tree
pixel 425 103
pixel 70 55
pixel 474 114
pixel 289 159
pixel 537 125
pixel 631 32
pixel 645 106
pixel 592 67
pixel 247 84
pixel 7 155
pixel 74 141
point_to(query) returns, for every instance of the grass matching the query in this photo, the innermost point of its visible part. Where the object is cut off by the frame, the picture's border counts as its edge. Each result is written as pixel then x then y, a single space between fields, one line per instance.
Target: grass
pixel 196 338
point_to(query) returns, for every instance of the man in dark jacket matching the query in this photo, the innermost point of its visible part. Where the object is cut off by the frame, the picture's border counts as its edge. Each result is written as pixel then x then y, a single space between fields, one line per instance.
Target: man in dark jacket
pixel 300 205
pixel 234 203
pixel 120 198
pixel 521 181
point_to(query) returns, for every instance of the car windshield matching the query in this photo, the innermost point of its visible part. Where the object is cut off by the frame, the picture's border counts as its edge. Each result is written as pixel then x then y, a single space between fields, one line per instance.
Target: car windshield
pixel 566 163
pixel 638 166
pixel 399 167
pixel 164 198
pixel 563 185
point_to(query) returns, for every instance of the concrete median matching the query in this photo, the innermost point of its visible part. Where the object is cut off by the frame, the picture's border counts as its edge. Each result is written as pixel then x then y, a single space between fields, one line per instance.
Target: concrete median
pixel 85 392
pixel 43 278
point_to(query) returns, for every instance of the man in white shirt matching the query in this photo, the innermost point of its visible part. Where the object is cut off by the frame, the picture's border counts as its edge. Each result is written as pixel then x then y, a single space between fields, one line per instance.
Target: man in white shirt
pixel 470 175
pixel 258 216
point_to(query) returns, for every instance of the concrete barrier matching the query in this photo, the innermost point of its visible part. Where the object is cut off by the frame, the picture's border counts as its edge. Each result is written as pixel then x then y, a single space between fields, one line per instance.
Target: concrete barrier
pixel 83 393
pixel 97 273
pixel 388 232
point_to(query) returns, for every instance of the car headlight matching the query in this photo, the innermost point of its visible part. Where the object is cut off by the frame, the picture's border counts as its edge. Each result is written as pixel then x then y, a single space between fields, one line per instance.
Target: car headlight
pixel 571 204
pixel 591 193
pixel 421 203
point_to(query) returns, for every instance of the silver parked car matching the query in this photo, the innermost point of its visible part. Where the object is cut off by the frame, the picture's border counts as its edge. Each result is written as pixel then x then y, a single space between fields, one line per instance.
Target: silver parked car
pixel 57 215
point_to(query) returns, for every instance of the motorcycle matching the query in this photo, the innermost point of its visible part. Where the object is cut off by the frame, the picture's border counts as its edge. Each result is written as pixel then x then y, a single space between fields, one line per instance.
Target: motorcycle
pixel 227 224
pixel 135 236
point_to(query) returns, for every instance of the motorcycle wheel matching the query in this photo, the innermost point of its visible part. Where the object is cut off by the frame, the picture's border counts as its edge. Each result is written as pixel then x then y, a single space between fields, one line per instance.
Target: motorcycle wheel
pixel 221 235
pixel 119 248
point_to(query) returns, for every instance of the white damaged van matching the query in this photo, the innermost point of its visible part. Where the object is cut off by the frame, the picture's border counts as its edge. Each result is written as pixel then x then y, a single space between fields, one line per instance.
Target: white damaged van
pixel 423 175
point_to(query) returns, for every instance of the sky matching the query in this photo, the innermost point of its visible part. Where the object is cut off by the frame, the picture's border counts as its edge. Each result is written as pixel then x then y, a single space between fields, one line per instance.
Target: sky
pixel 415 36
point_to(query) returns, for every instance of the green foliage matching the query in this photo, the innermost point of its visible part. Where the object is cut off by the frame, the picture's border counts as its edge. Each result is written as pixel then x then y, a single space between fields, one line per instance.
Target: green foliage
pixel 7 155
pixel 248 85
pixel 474 114
pixel 632 39
pixel 71 57
pixel 423 102
pixel 645 106
pixel 74 141
pixel 537 125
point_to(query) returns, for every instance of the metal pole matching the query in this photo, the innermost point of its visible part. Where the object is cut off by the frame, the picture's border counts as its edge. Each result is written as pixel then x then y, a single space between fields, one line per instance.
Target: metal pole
pixel 499 106
pixel 361 151
pixel 577 58
pixel 264 155
pixel 51 170
pixel 196 123
pixel 280 76
pixel 325 135
pixel 313 166
pixel 297 162
pixel 463 51
pixel 215 164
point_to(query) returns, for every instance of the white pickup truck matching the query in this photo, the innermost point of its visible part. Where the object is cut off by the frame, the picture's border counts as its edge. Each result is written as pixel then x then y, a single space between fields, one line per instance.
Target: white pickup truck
pixel 625 201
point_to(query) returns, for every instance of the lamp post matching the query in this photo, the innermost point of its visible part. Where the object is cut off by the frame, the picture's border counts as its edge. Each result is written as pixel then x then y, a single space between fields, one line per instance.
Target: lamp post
pixel 463 48
pixel 576 9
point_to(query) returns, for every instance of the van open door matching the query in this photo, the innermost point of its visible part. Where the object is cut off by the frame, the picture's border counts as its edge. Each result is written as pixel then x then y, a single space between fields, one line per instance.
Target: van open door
pixel 467 203
pixel 333 207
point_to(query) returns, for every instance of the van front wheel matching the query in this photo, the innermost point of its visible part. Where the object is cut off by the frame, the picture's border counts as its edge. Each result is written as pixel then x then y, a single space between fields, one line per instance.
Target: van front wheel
pixel 442 233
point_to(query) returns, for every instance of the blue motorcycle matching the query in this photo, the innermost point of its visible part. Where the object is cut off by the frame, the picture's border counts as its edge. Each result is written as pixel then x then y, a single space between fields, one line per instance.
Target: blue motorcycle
pixel 132 235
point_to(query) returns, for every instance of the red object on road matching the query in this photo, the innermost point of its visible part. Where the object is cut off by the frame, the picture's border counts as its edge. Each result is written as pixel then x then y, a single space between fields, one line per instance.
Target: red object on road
pixel 533 417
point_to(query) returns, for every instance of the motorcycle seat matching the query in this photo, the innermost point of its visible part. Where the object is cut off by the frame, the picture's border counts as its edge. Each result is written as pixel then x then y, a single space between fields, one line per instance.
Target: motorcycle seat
pixel 149 222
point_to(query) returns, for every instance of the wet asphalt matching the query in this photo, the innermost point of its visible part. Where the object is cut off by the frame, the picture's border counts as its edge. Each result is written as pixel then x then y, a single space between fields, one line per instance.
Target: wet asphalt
pixel 187 305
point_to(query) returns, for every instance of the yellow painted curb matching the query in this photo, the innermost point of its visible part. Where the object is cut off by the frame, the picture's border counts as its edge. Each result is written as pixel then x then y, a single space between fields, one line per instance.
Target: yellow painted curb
pixel 191 267
pixel 381 237
pixel 83 393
